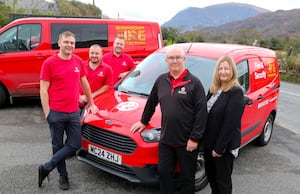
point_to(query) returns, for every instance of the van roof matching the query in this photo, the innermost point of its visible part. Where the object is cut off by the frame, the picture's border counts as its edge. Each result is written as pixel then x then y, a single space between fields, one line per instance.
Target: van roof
pixel 215 50
pixel 78 20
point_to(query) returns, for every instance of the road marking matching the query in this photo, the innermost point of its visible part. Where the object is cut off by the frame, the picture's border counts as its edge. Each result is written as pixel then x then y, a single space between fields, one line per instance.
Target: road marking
pixel 290 93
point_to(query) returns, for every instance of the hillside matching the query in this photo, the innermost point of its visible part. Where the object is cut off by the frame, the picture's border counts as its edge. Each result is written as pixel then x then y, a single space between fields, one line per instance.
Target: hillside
pixel 193 18
pixel 273 24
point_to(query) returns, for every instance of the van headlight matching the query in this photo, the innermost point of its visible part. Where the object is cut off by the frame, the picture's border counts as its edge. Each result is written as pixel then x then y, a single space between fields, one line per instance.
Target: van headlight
pixel 152 135
pixel 83 113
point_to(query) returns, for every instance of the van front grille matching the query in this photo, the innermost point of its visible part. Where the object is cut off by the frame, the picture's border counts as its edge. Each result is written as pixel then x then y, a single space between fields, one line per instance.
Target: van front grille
pixel 108 139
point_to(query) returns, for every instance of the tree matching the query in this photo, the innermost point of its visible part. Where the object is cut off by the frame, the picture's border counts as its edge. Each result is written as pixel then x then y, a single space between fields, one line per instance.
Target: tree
pixel 246 36
pixel 4 14
pixel 169 34
pixel 76 8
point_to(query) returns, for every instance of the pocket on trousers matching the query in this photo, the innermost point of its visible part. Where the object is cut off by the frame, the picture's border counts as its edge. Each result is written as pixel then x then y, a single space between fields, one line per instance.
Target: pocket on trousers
pixel 49 117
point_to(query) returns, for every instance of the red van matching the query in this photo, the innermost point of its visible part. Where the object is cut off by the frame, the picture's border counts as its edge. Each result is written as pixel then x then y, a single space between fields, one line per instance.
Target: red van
pixel 25 43
pixel 107 143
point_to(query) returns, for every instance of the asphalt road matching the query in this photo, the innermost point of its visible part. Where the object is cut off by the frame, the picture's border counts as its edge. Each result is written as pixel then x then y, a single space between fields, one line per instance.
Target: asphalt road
pixel 288 106
pixel 25 144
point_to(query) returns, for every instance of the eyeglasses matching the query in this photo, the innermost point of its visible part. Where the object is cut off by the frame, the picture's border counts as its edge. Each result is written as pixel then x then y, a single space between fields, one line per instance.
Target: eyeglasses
pixel 172 58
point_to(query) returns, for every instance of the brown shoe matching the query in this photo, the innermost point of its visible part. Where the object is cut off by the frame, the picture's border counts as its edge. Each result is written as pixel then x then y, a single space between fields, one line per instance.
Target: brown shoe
pixel 42 175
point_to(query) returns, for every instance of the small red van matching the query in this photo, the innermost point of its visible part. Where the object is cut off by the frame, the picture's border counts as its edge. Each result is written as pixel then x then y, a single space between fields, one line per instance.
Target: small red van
pixel 25 43
pixel 107 143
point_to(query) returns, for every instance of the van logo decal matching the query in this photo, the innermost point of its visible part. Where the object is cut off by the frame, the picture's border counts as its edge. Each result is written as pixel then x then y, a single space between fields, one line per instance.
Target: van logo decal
pixel 271 70
pixel 127 106
pixel 260 75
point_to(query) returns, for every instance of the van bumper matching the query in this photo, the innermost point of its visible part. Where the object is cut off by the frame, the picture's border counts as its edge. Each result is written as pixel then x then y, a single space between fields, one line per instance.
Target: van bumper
pixel 146 175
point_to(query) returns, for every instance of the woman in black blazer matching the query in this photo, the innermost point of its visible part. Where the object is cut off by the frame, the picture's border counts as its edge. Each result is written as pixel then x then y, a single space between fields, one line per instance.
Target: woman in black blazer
pixel 225 105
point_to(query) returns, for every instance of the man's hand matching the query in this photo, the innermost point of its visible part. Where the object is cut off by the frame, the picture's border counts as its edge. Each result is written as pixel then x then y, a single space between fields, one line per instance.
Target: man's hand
pixel 83 99
pixel 138 126
pixel 93 109
pixel 215 154
pixel 191 145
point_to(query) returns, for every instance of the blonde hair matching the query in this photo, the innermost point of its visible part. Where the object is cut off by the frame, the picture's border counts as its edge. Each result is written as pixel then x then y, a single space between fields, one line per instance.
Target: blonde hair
pixel 216 84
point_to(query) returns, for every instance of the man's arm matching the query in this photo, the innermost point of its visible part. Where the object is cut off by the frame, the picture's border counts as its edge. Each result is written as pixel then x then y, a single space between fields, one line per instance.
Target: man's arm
pixel 101 90
pixel 44 86
pixel 87 91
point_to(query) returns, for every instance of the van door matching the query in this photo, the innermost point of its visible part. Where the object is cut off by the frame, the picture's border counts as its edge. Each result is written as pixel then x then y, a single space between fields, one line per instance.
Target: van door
pixel 248 115
pixel 20 60
pixel 258 93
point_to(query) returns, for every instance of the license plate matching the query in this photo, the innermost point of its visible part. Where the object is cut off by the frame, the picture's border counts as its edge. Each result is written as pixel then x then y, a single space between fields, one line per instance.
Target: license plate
pixel 105 155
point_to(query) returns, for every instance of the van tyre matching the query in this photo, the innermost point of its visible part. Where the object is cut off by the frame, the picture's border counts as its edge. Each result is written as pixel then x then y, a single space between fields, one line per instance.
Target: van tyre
pixel 200 176
pixel 266 134
pixel 3 97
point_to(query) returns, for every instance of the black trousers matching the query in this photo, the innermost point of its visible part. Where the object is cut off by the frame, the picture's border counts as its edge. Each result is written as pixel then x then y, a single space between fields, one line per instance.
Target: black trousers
pixel 169 156
pixel 218 171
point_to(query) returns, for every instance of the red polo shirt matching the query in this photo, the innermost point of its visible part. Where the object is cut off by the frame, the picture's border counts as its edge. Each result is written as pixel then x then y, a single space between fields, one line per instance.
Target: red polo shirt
pixel 119 64
pixel 64 77
pixel 100 76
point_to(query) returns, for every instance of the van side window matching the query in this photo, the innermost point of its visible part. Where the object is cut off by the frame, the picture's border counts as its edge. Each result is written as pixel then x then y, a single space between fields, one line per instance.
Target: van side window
pixel 86 34
pixel 243 74
pixel 18 38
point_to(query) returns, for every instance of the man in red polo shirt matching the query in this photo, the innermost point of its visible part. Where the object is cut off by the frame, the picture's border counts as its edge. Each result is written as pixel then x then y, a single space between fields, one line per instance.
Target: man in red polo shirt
pixel 99 74
pixel 120 62
pixel 60 80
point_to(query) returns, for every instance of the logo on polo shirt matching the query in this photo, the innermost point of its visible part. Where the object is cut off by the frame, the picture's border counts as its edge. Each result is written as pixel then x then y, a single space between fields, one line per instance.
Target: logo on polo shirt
pixel 100 74
pixel 76 70
pixel 182 91
pixel 124 63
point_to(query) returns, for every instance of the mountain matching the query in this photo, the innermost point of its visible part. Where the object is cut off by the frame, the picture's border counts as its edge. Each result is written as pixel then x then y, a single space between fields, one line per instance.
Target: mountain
pixel 272 24
pixel 196 18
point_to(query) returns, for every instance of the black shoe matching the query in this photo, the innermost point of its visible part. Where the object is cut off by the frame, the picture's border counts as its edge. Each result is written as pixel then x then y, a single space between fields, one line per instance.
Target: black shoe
pixel 42 175
pixel 64 183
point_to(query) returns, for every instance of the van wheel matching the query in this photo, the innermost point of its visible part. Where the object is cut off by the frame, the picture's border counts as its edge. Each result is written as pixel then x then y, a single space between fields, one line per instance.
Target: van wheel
pixel 3 97
pixel 200 176
pixel 266 134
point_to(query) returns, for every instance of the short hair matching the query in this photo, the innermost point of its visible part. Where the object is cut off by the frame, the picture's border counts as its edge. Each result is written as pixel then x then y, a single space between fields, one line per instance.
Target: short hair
pixel 96 45
pixel 175 47
pixel 66 34
pixel 216 84
pixel 120 37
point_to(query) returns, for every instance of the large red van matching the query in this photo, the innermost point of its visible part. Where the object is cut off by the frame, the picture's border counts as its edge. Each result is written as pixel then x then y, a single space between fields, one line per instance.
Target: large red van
pixel 108 144
pixel 25 43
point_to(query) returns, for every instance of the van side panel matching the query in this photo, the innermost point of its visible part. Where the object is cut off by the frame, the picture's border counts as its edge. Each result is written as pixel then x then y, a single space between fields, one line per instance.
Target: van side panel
pixel 141 39
pixel 263 93
pixel 20 68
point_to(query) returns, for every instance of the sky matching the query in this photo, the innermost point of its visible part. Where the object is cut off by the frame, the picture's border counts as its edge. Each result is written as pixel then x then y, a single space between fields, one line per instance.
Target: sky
pixel 162 11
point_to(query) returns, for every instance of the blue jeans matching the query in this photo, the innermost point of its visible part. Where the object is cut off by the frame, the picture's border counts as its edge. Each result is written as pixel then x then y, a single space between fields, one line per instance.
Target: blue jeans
pixel 59 124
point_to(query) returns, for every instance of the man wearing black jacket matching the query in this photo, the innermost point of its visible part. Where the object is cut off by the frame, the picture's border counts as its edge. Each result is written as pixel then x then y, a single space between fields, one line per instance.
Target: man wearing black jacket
pixel 183 104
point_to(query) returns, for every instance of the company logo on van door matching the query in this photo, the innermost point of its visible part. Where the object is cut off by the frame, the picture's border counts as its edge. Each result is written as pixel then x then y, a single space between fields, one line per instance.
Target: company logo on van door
pixel 259 73
pixel 133 35
pixel 271 70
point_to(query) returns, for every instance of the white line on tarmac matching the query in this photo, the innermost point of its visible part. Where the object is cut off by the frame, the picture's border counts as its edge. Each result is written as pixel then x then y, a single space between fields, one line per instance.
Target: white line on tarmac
pixel 290 93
